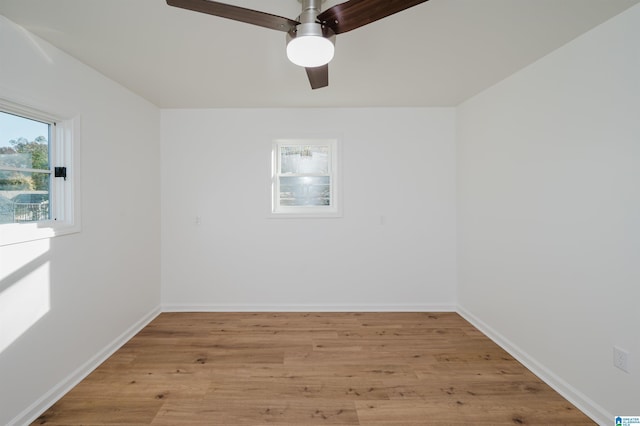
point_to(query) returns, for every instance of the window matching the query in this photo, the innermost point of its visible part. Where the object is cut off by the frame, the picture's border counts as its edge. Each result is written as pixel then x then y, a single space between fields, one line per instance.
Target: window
pixel 305 178
pixel 36 175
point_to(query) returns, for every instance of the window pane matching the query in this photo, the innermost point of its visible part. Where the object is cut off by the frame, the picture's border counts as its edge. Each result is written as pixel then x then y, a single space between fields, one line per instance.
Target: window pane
pixel 24 143
pixel 305 191
pixel 24 197
pixel 304 159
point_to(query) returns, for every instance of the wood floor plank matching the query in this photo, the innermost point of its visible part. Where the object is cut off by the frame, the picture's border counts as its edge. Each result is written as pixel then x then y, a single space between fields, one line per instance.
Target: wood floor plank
pixel 300 387
pixel 462 412
pixel 101 411
pixel 308 369
pixel 256 412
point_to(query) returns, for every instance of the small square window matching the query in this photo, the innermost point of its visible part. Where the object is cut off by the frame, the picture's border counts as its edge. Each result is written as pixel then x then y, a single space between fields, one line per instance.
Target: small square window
pixel 305 178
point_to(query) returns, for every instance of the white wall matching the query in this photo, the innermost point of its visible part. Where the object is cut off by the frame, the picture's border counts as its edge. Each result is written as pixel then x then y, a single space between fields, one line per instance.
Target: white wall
pixel 87 290
pixel 549 214
pixel 394 248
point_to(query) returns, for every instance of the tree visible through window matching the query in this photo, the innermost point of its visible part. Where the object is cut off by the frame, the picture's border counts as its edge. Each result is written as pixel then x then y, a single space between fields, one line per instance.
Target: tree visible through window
pixel 25 172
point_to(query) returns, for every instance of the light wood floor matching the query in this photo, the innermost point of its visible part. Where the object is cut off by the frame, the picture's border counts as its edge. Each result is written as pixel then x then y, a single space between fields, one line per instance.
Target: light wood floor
pixel 311 369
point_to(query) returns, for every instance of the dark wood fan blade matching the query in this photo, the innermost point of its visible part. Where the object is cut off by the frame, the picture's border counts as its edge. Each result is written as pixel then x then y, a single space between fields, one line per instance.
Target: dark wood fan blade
pixel 237 13
pixel 318 76
pixel 357 13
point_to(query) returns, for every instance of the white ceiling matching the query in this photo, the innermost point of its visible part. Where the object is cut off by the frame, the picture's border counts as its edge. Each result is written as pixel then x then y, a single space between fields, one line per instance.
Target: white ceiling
pixel 438 53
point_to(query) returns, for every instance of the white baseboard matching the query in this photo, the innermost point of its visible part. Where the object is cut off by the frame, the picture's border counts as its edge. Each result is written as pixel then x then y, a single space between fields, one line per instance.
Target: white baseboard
pixel 32 412
pixel 577 398
pixel 177 307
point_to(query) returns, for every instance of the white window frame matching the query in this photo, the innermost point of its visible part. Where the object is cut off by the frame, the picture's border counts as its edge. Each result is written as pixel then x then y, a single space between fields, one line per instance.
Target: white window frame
pixel 334 209
pixel 64 149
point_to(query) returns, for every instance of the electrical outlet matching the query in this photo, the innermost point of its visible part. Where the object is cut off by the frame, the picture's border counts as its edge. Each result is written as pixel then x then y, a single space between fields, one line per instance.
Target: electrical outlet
pixel 621 359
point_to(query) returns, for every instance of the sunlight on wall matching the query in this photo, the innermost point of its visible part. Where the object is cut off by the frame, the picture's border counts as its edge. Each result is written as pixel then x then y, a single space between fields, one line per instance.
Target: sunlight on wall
pixel 24 289
pixel 18 256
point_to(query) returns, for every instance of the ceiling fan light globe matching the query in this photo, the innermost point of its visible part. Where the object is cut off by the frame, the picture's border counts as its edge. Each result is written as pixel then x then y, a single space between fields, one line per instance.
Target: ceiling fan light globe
pixel 310 51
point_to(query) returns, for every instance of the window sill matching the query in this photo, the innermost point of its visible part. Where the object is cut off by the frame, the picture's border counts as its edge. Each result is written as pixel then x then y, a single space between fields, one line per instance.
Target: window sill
pixel 297 214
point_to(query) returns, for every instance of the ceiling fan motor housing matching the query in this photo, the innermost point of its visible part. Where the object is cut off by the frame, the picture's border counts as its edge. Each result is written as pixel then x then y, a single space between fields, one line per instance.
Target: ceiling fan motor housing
pixel 313 29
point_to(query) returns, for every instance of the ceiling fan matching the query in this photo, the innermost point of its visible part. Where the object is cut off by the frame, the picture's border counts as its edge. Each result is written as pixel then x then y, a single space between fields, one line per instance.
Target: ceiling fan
pixel 311 36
